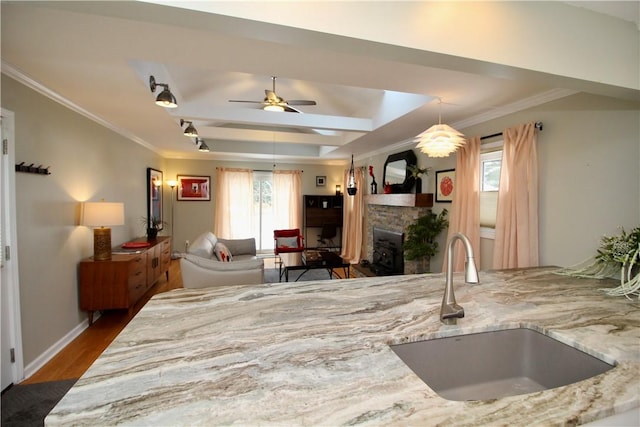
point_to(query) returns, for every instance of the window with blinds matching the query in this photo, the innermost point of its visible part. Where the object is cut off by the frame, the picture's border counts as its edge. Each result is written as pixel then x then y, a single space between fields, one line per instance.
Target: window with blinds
pixel 490 163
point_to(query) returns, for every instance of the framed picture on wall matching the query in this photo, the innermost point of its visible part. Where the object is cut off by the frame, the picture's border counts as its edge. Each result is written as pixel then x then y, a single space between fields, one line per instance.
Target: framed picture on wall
pixel 445 185
pixel 321 181
pixel 154 198
pixel 194 188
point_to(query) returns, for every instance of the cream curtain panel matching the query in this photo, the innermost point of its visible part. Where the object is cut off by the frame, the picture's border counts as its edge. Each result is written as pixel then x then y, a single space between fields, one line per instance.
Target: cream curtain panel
pixel 516 242
pixel 464 216
pixel 352 223
pixel 287 199
pixel 234 203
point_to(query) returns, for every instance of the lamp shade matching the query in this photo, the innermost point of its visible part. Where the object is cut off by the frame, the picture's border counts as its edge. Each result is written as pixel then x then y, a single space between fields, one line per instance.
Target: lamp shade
pixel 102 214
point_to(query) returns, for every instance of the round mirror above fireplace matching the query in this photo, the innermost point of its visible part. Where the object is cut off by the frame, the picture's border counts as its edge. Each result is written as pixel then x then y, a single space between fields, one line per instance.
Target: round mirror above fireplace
pixel 396 173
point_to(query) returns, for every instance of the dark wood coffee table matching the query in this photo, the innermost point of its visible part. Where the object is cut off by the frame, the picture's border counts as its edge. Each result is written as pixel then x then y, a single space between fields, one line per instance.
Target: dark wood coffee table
pixel 311 260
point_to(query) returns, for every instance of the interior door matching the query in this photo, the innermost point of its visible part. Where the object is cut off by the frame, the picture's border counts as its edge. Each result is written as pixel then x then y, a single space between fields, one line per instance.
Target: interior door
pixel 11 350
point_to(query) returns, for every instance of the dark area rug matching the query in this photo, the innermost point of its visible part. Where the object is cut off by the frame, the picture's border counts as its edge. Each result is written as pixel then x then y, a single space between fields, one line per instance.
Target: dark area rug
pixel 28 405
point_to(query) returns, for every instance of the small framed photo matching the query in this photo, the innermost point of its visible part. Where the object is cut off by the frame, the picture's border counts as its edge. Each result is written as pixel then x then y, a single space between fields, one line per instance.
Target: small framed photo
pixel 194 188
pixel 321 181
pixel 445 185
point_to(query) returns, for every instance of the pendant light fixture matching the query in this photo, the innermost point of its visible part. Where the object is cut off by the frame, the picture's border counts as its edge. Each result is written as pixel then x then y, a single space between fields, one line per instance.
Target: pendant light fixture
pixel 440 140
pixel 165 98
pixel 351 180
pixel 190 130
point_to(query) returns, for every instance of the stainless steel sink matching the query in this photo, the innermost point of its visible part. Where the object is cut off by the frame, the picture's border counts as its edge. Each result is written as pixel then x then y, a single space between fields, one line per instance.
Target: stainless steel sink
pixel 490 365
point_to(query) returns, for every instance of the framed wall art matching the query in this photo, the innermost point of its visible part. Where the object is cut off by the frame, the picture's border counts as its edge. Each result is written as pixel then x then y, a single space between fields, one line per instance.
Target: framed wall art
pixel 445 185
pixel 321 181
pixel 154 198
pixel 194 188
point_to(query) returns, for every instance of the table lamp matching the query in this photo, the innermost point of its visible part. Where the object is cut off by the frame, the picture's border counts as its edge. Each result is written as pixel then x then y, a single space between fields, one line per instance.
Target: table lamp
pixel 102 215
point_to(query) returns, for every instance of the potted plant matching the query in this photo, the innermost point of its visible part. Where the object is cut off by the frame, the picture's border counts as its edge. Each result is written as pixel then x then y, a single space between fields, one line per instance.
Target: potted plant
pixel 152 225
pixel 421 244
pixel 416 173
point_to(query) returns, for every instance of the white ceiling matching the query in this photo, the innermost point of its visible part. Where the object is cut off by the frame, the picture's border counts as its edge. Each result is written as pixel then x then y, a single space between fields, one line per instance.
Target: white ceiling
pixel 97 58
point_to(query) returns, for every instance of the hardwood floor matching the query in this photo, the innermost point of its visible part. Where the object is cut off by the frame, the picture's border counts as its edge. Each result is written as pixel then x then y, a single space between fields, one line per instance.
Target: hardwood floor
pixel 76 357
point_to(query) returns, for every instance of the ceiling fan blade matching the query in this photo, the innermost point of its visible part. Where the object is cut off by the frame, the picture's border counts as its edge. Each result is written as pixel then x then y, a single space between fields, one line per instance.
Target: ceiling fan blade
pixel 290 109
pixel 271 96
pixel 301 102
pixel 252 102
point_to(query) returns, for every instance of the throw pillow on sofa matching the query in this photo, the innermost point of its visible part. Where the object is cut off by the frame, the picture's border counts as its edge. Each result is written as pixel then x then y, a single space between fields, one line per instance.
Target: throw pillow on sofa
pixel 222 252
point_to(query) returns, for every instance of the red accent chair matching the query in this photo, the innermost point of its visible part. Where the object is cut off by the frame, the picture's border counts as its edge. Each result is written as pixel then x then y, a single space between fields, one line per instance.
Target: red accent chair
pixel 288 241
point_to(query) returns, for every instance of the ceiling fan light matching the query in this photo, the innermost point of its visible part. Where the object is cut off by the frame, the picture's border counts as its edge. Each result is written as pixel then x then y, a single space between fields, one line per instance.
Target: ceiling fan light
pixel 440 141
pixel 273 107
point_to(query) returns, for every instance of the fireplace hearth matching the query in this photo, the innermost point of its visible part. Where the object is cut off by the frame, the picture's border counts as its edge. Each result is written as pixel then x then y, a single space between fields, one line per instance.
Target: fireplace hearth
pixel 388 252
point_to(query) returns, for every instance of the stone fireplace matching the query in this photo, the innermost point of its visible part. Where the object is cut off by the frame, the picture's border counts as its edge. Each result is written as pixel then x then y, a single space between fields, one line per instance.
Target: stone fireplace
pixel 385 212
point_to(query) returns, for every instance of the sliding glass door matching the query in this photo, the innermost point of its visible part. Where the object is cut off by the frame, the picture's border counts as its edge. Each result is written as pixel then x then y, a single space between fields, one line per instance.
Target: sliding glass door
pixel 263 212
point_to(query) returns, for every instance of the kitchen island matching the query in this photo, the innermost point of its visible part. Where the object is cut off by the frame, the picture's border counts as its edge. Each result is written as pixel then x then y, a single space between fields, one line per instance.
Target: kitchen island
pixel 317 353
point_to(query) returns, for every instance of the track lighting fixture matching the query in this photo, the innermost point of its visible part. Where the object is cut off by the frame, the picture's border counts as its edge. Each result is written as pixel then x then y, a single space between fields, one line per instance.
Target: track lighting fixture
pixel 190 130
pixel 165 98
pixel 351 180
pixel 202 146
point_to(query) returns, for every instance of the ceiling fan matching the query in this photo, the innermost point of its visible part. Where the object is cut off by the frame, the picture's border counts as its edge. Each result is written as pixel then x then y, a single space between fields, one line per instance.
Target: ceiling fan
pixel 273 102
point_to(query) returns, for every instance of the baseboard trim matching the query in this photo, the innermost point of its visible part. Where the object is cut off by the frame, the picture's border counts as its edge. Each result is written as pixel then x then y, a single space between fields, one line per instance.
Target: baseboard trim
pixel 50 353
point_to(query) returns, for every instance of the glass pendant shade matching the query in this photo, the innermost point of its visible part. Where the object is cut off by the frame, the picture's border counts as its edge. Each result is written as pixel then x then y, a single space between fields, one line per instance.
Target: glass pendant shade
pixel 351 180
pixel 273 107
pixel 440 141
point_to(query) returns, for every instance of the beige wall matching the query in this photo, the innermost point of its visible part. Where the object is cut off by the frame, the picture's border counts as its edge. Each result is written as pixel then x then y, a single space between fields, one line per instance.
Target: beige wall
pixel 193 218
pixel 589 165
pixel 87 162
pixel 589 185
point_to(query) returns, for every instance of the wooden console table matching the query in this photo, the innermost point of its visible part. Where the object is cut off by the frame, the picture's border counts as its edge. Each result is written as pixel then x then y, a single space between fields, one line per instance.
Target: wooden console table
pixel 120 282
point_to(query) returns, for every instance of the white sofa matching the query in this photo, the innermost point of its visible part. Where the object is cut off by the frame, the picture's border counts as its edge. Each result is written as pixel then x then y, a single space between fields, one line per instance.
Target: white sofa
pixel 201 268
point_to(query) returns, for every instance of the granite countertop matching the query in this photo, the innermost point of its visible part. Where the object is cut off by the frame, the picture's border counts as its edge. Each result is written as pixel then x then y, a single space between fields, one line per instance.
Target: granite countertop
pixel 317 353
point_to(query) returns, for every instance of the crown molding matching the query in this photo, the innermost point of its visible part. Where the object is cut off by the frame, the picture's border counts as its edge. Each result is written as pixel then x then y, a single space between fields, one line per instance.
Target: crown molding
pixel 523 104
pixel 514 107
pixel 26 80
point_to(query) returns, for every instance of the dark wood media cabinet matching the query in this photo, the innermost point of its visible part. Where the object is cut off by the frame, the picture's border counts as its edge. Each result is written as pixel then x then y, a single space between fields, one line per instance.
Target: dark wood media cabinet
pixel 120 282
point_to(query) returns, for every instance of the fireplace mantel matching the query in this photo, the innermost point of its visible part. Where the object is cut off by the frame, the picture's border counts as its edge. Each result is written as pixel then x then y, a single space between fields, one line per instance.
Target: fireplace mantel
pixel 420 200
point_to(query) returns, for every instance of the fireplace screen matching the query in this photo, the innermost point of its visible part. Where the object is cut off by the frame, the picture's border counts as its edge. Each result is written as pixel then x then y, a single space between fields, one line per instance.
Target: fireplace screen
pixel 388 252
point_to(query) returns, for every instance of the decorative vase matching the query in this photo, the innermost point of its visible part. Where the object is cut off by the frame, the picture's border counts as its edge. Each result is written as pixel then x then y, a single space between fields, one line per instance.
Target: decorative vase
pixel 374 187
pixel 387 188
pixel 418 185
pixel 152 233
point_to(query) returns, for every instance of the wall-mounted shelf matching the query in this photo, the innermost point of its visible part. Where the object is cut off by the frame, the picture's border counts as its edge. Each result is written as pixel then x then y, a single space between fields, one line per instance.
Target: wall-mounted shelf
pixel 420 200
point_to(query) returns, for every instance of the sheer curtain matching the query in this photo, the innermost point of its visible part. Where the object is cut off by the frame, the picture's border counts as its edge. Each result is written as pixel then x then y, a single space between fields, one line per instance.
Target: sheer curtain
pixel 465 208
pixel 234 203
pixel 353 213
pixel 516 243
pixel 287 199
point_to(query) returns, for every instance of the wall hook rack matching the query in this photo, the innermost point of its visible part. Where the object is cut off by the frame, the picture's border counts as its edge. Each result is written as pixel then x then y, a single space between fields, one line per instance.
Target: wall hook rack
pixel 38 170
